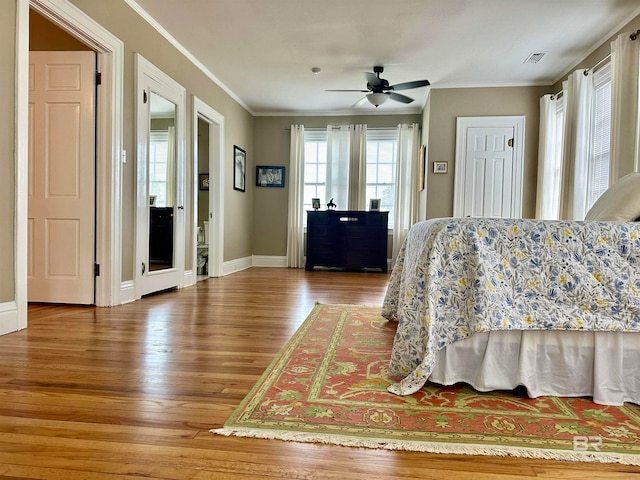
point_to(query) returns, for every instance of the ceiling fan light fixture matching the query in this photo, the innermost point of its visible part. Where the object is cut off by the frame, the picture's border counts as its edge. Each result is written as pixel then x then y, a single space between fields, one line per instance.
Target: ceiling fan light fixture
pixel 376 99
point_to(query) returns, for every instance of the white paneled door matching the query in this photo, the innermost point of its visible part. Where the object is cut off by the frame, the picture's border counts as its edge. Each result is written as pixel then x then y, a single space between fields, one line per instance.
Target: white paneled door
pixel 489 170
pixel 61 177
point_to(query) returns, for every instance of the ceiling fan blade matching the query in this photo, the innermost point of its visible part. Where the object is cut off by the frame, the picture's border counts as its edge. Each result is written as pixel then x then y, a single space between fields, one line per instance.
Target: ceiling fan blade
pixel 373 80
pixel 400 98
pixel 360 102
pixel 410 85
pixel 363 91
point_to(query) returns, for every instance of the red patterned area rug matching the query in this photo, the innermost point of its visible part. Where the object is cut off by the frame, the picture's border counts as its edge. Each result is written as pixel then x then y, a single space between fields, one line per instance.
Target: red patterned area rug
pixel 329 385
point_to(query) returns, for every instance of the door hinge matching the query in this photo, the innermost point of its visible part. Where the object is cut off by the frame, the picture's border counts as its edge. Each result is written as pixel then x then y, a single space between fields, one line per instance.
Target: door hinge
pixel 96 269
pixel 98 78
pixel 144 96
pixel 510 142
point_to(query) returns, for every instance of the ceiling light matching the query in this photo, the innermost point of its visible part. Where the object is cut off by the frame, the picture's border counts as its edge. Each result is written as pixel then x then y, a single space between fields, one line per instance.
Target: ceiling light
pixel 376 99
pixel 316 70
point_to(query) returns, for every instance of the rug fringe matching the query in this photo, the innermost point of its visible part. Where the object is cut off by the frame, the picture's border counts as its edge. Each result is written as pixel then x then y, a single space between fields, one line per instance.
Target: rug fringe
pixel 430 447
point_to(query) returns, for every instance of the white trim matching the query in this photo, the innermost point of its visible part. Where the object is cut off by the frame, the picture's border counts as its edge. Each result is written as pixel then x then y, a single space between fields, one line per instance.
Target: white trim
pixel 462 124
pixel 108 141
pixel 237 265
pixel 171 39
pixel 269 261
pixel 9 318
pixel 216 189
pixel 127 292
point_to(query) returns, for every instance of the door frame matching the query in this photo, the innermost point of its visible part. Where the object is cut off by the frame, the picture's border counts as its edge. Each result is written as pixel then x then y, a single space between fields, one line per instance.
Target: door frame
pixel 215 120
pixel 109 101
pixel 517 122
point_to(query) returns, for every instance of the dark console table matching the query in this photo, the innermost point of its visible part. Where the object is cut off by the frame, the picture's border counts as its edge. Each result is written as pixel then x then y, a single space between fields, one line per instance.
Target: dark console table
pixel 352 240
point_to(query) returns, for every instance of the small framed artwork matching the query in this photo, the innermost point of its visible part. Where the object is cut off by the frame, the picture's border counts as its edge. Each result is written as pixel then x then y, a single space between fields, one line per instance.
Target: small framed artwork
pixel 440 167
pixel 374 205
pixel 421 165
pixel 204 181
pixel 315 203
pixel 152 200
pixel 269 176
pixel 239 168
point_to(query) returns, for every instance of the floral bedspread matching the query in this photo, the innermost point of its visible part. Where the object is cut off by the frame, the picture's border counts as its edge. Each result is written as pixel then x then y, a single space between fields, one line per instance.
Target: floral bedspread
pixel 457 276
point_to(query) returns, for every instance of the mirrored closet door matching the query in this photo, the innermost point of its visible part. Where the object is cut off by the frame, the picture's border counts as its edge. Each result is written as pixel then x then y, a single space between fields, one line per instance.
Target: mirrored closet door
pixel 160 229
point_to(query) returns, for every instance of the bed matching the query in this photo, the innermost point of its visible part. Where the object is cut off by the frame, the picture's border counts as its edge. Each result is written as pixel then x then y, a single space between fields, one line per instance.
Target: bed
pixel 497 303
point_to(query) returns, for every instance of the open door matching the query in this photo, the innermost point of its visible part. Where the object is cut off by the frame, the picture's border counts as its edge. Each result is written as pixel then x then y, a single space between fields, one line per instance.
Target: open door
pixel 160 222
pixel 61 191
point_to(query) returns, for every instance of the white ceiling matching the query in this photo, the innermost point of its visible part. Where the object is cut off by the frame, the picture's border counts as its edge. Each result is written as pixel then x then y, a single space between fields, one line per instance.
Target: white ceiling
pixel 262 51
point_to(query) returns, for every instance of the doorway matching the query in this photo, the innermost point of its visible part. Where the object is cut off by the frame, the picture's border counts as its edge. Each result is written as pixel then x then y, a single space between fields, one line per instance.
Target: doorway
pixel 206 118
pixel 489 167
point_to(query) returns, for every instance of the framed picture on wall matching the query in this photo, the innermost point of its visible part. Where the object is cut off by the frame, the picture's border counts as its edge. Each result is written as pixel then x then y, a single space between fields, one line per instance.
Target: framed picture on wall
pixel 239 168
pixel 269 176
pixel 440 167
pixel 204 181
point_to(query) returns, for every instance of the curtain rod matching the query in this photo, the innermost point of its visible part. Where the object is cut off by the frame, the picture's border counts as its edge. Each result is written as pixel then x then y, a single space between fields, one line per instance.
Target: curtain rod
pixel 634 35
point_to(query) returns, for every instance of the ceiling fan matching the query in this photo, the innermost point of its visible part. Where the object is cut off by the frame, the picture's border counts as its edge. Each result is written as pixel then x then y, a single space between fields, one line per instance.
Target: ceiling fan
pixel 378 89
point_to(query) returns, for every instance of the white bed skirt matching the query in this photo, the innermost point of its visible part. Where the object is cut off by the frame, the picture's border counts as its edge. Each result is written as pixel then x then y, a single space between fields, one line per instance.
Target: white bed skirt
pixel 602 365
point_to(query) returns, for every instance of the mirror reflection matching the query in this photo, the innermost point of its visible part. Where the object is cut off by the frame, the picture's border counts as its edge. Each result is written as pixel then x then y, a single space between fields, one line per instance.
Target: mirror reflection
pixel 161 182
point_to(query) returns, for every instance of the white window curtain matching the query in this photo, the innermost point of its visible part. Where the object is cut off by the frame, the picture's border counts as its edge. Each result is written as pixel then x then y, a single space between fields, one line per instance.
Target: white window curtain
pixel 578 94
pixel 358 168
pixel 625 121
pixel 338 165
pixel 549 163
pixel 406 203
pixel 295 233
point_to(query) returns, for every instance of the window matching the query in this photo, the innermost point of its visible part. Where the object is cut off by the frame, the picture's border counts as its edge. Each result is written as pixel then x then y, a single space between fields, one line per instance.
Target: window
pixel 315 168
pixel 381 169
pixel 598 173
pixel 380 181
pixel 158 166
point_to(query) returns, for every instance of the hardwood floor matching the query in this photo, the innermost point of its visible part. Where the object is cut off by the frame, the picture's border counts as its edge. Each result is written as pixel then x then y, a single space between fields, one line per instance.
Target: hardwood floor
pixel 132 391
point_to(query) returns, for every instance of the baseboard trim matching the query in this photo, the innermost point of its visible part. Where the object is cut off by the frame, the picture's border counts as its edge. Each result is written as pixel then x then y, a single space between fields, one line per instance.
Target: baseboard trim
pixel 127 292
pixel 8 318
pixel 269 261
pixel 233 266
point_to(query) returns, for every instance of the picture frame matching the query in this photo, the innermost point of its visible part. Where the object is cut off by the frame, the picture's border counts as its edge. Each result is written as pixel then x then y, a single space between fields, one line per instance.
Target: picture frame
pixel 315 203
pixel 203 181
pixel 421 165
pixel 239 168
pixel 374 205
pixel 269 176
pixel 152 200
pixel 440 167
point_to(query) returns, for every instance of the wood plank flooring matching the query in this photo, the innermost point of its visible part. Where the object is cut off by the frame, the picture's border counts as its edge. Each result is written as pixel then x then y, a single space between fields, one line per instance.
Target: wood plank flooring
pixel 132 391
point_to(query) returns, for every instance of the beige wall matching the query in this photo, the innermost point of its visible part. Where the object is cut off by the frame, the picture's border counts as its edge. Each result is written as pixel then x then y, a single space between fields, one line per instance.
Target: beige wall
pixel 7 154
pixel 448 104
pixel 272 138
pixel 139 37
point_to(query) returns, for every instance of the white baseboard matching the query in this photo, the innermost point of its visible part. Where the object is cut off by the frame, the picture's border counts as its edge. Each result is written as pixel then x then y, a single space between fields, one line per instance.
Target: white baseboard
pixel 269 261
pixel 9 318
pixel 127 292
pixel 233 266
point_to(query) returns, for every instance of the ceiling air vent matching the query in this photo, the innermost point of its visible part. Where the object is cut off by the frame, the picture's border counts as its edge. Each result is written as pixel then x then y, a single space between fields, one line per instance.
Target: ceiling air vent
pixel 535 57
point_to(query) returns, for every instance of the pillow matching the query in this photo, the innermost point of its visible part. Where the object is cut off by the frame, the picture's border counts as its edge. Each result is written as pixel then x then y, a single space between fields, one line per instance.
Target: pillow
pixel 620 202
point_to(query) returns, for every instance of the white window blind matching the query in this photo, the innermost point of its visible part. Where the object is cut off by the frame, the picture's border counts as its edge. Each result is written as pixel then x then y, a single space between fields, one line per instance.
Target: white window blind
pixel 600 135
